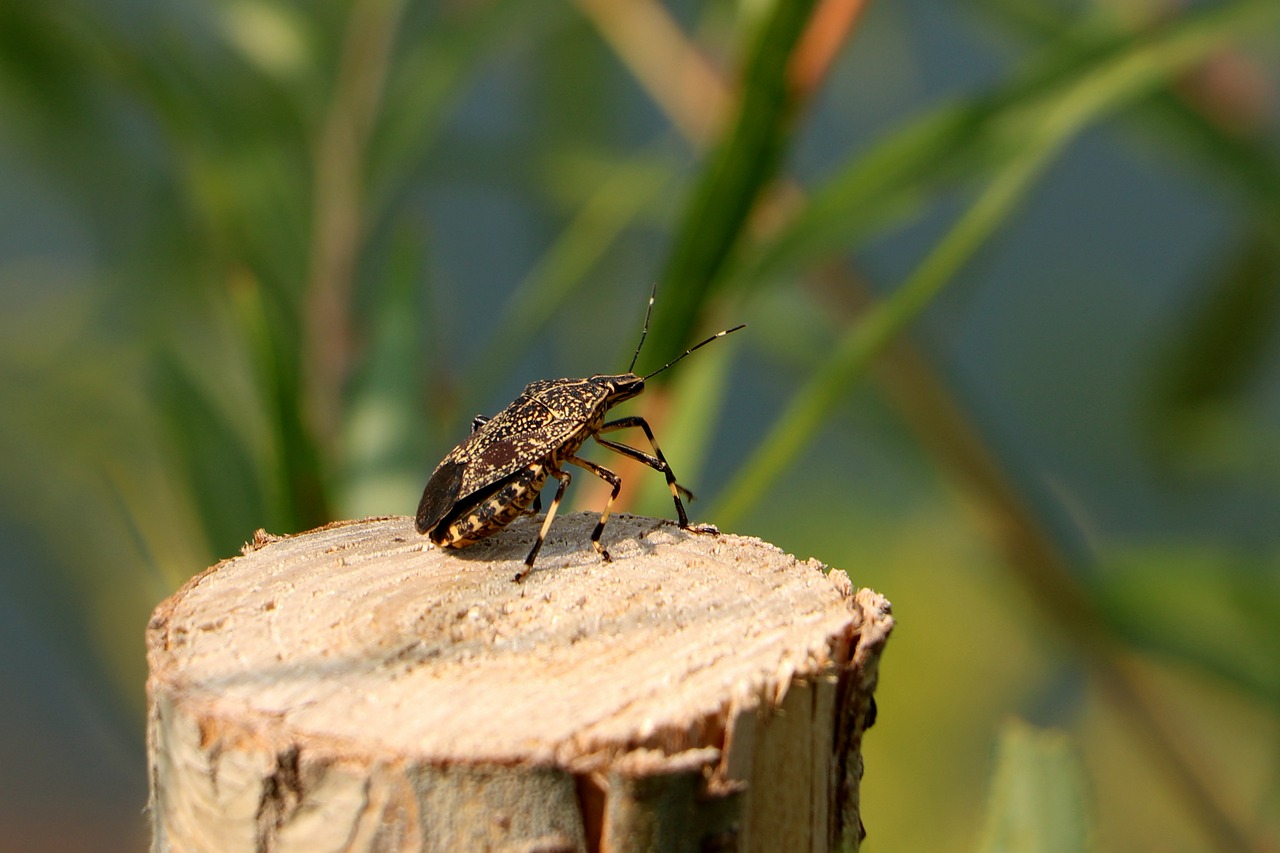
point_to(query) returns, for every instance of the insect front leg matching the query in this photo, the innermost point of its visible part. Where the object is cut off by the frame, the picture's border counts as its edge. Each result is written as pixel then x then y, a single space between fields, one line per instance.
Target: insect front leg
pixel 613 480
pixel 564 478
pixel 657 462
pixel 640 456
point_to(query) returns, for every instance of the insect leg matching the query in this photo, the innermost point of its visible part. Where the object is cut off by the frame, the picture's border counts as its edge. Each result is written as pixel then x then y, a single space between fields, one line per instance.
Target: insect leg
pixel 564 478
pixel 613 480
pixel 657 462
pixel 478 421
pixel 645 458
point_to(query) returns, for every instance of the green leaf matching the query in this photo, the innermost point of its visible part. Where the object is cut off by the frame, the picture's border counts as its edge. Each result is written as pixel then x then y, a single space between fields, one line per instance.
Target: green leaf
pixel 1195 414
pixel 1037 802
pixel 692 412
pixel 1237 151
pixel 743 165
pixel 1105 81
pixel 217 467
pixel 294 479
pixel 382 463
pixel 1096 66
pixel 437 64
pixel 631 187
pixel 1200 607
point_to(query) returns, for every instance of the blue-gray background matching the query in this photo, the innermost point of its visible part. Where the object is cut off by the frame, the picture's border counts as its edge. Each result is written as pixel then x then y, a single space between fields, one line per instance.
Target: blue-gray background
pixel 1113 346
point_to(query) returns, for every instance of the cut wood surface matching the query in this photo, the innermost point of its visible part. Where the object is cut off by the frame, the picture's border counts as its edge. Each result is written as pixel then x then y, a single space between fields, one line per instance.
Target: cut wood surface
pixel 356 688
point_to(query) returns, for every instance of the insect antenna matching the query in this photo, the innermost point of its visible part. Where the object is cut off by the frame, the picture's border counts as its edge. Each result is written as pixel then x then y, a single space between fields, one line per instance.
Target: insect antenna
pixel 692 348
pixel 645 331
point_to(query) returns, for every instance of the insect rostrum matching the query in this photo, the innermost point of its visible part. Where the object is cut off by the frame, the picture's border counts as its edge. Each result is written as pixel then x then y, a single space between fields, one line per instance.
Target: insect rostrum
pixel 497 473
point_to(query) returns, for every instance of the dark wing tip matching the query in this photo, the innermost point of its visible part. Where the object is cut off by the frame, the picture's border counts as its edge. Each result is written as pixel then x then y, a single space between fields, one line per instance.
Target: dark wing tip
pixel 440 495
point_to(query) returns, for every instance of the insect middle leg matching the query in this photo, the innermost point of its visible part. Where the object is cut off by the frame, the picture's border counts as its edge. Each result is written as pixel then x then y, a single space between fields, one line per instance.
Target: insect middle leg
pixel 657 462
pixel 613 480
pixel 564 478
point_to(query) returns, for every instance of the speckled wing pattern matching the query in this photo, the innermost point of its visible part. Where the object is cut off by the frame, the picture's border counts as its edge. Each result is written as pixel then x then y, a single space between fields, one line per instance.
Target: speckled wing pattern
pixel 534 427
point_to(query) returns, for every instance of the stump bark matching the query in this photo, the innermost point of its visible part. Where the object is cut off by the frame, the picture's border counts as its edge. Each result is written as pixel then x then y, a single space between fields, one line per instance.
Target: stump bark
pixel 355 688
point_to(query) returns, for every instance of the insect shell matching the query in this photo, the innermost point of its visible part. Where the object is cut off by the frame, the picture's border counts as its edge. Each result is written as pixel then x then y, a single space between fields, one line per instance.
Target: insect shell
pixel 496 474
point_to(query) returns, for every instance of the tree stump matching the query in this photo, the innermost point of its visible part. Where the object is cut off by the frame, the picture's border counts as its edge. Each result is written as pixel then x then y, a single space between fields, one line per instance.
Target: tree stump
pixel 356 688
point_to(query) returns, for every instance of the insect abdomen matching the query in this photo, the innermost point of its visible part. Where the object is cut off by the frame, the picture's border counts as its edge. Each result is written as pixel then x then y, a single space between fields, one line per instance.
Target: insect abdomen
pixel 487 512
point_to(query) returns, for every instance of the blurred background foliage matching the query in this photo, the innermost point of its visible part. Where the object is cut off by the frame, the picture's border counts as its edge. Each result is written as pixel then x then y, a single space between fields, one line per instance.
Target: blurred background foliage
pixel 1011 270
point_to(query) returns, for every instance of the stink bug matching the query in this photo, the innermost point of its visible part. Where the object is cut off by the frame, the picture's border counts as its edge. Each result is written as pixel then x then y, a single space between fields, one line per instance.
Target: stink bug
pixel 496 474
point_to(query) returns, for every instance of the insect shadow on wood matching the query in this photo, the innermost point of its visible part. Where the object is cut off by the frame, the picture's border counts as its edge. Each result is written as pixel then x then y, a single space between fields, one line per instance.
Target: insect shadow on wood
pixel 497 473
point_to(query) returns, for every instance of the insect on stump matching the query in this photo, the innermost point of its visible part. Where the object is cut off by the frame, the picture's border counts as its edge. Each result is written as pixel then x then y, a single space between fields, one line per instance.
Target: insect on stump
pixel 497 473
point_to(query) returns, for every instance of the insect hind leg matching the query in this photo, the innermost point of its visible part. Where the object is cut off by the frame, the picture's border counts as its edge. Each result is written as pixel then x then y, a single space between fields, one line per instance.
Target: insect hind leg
pixel 612 479
pixel 564 478
pixel 658 462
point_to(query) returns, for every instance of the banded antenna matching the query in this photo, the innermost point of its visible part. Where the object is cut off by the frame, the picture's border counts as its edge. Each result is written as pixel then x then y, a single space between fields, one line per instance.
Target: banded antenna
pixel 694 347
pixel 644 332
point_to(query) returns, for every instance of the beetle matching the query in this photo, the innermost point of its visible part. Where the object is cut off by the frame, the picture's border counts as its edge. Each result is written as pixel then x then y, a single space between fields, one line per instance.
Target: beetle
pixel 497 473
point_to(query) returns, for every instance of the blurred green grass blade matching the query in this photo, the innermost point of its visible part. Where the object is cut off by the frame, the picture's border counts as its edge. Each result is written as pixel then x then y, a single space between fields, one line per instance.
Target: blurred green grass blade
pixel 1243 155
pixel 294 480
pixel 741 167
pixel 1038 796
pixel 429 77
pixel 856 349
pixel 630 189
pixel 887 185
pixel 382 460
pixel 953 145
pixel 690 417
pixel 235 139
pixel 958 142
pixel 218 469
pixel 1211 358
pixel 1249 161
pixel 1042 129
pixel 1200 607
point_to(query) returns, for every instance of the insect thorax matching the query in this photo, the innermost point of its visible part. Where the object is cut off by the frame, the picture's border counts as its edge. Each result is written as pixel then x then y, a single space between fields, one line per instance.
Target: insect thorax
pixel 583 400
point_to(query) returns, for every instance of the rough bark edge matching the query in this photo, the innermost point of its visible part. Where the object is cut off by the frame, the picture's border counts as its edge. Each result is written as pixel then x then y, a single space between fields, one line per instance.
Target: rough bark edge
pixel 856 714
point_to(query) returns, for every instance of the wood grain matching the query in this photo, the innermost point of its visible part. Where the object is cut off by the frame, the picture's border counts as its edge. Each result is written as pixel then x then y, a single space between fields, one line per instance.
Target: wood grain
pixel 355 688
